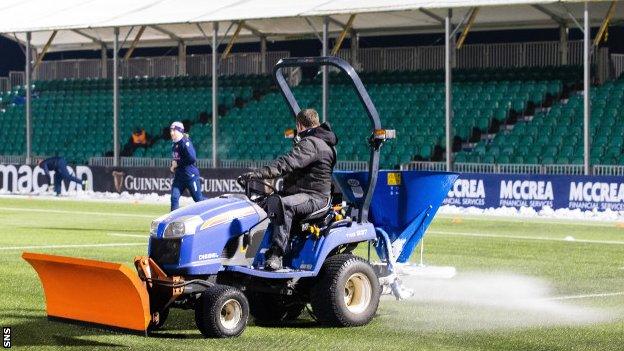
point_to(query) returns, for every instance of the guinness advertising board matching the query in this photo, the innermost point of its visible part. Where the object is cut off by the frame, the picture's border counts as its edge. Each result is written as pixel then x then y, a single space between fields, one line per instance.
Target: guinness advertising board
pixel 158 180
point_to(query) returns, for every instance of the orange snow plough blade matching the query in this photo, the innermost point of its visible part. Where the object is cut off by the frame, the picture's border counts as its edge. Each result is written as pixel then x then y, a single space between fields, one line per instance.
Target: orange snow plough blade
pixel 103 293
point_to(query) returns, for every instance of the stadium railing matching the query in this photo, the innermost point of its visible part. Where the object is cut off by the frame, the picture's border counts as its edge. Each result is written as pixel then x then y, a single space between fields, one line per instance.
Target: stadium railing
pixel 568 169
pixel 130 162
pixel 14 160
pixel 16 78
pixel 608 170
pixel 573 169
pixel 4 84
pixel 370 59
pixel 471 56
pixel 161 66
pixel 424 166
pixel 244 163
pixel 618 64
pixel 204 163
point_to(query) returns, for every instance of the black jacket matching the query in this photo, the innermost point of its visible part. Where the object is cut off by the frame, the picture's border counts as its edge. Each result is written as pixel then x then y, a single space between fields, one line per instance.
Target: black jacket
pixel 308 167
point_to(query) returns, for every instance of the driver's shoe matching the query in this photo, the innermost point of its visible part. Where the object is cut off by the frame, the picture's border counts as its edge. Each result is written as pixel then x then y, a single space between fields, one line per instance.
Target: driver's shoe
pixel 273 262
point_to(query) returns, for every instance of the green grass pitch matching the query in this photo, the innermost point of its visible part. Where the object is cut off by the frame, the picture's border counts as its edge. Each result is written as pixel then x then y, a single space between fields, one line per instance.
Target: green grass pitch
pixel 521 285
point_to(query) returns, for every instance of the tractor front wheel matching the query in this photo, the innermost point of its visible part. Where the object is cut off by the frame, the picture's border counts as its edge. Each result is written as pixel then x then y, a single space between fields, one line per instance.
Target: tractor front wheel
pixel 347 292
pixel 221 312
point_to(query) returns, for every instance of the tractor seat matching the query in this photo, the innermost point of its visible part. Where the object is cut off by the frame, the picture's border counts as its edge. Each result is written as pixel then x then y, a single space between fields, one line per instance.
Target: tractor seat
pixel 319 213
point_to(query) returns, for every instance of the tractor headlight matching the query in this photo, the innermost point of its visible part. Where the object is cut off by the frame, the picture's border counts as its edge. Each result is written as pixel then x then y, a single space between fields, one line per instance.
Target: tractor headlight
pixel 175 229
pixel 154 228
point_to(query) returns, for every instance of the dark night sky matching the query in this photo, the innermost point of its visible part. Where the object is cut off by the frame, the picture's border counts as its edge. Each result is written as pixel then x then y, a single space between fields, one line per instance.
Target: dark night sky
pixel 12 57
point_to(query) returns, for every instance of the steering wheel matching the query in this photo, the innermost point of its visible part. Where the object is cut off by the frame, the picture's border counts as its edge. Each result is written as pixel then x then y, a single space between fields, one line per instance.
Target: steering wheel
pixel 253 193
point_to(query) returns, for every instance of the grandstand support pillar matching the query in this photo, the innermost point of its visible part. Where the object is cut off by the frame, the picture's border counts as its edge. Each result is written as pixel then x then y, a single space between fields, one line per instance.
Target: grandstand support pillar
pixel 342 36
pixel 135 43
pixel 28 85
pixel 181 58
pixel 563 44
pixel 325 68
pixel 215 92
pixel 586 86
pixel 104 62
pixel 230 45
pixel 448 108
pixel 355 46
pixel 263 54
pixel 116 98
pixel 44 51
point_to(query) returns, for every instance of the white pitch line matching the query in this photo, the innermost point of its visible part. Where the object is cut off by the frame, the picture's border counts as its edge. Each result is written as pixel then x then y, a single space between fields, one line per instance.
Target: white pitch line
pixel 521 237
pixel 114 214
pixel 129 235
pixel 493 218
pixel 69 246
pixel 585 296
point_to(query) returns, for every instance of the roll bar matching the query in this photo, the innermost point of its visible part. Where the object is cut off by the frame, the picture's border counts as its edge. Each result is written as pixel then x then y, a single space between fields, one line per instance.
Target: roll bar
pixel 378 134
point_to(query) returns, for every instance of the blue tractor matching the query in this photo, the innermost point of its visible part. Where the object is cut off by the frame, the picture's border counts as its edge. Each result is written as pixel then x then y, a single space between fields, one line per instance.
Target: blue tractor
pixel 209 256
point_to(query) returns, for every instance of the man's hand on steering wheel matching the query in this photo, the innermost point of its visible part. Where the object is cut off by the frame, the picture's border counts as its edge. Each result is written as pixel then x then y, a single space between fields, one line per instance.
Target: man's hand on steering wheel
pixel 253 192
pixel 244 178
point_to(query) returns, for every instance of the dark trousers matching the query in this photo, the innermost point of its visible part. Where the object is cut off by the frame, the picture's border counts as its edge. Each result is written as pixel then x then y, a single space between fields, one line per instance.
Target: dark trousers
pixel 295 206
pixel 177 188
pixel 62 174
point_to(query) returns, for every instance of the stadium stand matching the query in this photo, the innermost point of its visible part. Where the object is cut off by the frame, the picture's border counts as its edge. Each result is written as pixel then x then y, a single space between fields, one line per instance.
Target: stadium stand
pixel 554 135
pixel 409 101
pixel 67 114
pixel 12 121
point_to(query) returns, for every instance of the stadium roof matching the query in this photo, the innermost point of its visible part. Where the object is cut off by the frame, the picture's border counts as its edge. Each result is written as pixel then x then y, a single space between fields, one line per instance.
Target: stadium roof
pixel 86 24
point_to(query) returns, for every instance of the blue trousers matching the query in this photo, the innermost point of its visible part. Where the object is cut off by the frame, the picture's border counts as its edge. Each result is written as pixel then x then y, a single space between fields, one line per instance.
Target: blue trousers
pixel 62 174
pixel 178 187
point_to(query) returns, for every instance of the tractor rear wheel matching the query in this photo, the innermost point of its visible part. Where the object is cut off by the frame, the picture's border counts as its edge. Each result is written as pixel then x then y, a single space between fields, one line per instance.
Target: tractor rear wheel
pixel 273 308
pixel 347 292
pixel 221 312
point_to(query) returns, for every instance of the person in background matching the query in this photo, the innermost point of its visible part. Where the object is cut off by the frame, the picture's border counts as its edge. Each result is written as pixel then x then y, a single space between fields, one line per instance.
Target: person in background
pixel 139 138
pixel 59 166
pixel 186 174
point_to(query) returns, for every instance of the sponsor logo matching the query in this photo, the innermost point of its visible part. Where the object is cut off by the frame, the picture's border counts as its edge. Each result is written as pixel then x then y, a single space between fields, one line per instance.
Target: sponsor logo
pixel 596 195
pixel 596 192
pixel 220 185
pixel 466 192
pixel 526 193
pixel 118 178
pixel 28 179
pixel 135 183
pixel 145 184
pixel 353 182
pixel 394 178
pixel 357 190
pixel 356 233
pixel 208 256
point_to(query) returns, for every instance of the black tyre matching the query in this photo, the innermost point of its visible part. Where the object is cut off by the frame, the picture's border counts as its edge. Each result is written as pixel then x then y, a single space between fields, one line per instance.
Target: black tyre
pixel 221 312
pixel 346 293
pixel 273 308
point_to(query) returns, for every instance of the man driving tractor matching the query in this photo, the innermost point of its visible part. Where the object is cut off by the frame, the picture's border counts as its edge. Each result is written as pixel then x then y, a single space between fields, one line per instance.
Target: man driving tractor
pixel 307 174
